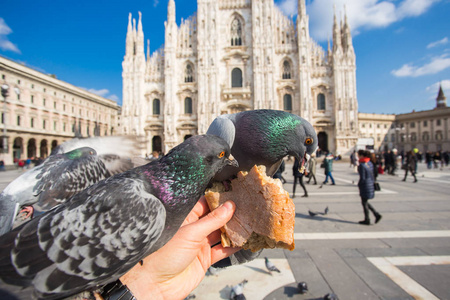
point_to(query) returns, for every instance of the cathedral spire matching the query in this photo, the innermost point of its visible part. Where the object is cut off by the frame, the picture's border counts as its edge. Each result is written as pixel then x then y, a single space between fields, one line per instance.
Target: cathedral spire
pixel 129 41
pixel 441 99
pixel 301 8
pixel 347 35
pixel 171 11
pixel 336 33
pixel 148 49
pixel 140 36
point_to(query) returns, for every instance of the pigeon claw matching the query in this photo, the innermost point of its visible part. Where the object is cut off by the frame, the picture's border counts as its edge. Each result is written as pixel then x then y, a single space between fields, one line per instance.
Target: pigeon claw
pixel 26 212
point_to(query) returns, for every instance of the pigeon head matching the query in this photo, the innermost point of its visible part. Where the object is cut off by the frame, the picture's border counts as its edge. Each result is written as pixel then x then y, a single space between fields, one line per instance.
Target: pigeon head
pixel 305 143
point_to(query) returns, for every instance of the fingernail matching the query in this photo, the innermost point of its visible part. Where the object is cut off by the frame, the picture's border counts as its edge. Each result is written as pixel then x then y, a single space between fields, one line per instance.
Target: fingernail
pixel 228 205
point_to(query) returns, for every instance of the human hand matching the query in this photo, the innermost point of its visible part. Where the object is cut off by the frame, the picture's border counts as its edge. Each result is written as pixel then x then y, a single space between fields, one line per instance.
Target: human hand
pixel 176 269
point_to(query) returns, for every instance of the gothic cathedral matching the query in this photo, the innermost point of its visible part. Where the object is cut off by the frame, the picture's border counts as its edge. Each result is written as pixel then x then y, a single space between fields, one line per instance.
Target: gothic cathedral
pixel 236 55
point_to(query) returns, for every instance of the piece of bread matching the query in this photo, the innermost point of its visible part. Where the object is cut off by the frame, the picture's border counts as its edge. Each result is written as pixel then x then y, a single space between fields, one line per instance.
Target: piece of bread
pixel 264 216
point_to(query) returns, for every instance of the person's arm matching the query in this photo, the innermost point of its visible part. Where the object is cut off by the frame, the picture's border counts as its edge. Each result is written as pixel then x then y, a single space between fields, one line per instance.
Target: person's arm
pixel 176 269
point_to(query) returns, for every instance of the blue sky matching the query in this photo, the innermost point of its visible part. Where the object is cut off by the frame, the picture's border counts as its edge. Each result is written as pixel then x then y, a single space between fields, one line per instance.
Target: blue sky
pixel 402 46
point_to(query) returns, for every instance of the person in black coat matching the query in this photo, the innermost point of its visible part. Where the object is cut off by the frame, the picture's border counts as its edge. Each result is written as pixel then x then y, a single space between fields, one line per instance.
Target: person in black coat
pixel 410 165
pixel 298 176
pixel 365 185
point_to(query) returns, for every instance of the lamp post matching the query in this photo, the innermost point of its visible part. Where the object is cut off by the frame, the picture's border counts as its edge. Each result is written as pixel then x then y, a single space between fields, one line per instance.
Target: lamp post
pixel 5 93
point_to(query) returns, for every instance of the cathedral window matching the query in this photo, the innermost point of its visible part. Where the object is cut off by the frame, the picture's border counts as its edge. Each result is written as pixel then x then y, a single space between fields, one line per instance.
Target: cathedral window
pixel 236 32
pixel 156 107
pixel 321 102
pixel 236 78
pixel 287 102
pixel 188 105
pixel 286 70
pixel 189 73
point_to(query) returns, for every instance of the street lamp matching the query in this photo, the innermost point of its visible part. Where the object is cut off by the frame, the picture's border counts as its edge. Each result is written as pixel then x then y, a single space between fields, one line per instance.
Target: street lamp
pixel 5 93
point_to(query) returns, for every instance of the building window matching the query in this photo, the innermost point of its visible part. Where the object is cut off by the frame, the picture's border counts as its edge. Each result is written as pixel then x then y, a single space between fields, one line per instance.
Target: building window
pixel 363 125
pixel 64 107
pixel 286 70
pixel 392 137
pixel 54 125
pixel 385 126
pixel 321 102
pixel 73 127
pixel 412 125
pixel 54 104
pixel 438 122
pixel 438 135
pixel 18 81
pixel 236 78
pixel 425 123
pixel 236 32
pixel 156 107
pixel 64 127
pixel 188 105
pixel 18 120
pixel 43 102
pixel 32 99
pixel 413 137
pixel 287 102
pixel 43 124
pixel 189 73
pixel 378 126
pixel 425 136
pixel 32 122
pixel 386 138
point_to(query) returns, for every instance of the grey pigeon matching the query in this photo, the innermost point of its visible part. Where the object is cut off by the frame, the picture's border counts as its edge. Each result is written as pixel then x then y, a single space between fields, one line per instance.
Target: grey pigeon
pixel 314 213
pixel 302 287
pixel 262 137
pixel 270 266
pixel 237 291
pixel 99 234
pixel 70 168
pixel 59 177
pixel 330 296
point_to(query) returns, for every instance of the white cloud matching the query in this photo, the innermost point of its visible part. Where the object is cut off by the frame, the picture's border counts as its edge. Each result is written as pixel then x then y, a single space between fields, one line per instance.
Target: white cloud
pixel 5 44
pixel 114 98
pixel 155 3
pixel 434 88
pixel 361 14
pixel 438 43
pixel 101 93
pixel 436 65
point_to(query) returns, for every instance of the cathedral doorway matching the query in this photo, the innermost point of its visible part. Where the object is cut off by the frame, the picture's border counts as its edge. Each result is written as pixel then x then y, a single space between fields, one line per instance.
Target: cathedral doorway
pixel 323 141
pixel 156 143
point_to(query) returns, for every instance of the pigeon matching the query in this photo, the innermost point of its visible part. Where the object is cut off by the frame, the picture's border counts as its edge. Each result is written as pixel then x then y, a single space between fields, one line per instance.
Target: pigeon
pixel 190 296
pixel 212 271
pixel 270 266
pixel 99 234
pixel 262 137
pixel 302 287
pixel 315 213
pixel 237 291
pixel 330 296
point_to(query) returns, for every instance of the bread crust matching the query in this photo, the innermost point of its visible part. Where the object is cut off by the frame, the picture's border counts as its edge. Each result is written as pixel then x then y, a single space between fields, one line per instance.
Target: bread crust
pixel 264 216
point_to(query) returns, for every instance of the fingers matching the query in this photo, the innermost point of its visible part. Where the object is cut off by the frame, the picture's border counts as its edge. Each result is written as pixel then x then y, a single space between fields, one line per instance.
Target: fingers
pixel 214 220
pixel 219 252
pixel 200 209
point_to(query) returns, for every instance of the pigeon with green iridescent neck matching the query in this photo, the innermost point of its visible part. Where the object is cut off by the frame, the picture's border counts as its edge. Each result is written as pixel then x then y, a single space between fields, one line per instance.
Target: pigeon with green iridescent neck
pixel 264 137
pixel 99 234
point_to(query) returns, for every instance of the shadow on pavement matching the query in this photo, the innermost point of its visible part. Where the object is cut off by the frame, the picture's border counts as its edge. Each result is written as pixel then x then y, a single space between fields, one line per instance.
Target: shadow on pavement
pixel 321 218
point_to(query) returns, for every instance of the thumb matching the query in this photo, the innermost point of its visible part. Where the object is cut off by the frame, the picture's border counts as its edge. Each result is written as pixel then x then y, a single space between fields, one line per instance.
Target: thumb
pixel 215 219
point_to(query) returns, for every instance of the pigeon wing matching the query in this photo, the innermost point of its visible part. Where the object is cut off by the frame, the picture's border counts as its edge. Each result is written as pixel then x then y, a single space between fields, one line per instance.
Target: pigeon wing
pixel 93 239
pixel 61 177
pixel 223 127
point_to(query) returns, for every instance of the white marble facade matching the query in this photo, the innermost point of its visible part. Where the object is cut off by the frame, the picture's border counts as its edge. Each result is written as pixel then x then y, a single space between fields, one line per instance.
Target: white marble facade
pixel 236 55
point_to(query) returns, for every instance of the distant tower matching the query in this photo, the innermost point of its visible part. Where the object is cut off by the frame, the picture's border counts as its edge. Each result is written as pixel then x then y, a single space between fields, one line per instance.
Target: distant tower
pixel 441 101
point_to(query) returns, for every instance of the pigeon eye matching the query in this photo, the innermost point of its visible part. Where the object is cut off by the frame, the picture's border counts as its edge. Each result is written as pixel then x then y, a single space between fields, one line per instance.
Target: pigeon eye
pixel 308 141
pixel 222 154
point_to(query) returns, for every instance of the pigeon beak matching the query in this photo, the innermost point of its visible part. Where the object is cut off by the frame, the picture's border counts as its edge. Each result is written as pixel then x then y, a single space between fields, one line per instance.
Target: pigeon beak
pixel 231 161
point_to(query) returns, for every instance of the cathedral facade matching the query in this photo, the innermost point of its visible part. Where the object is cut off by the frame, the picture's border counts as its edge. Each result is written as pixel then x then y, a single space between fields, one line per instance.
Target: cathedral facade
pixel 236 55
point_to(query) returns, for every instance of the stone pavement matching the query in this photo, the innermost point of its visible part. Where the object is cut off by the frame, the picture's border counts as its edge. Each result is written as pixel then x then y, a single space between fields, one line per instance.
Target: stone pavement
pixel 405 256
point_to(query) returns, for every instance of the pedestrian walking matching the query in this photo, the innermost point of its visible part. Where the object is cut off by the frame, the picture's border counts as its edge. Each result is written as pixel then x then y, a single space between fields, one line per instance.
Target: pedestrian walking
pixel 410 165
pixel 298 176
pixel 279 173
pixel 312 168
pixel 366 186
pixel 328 165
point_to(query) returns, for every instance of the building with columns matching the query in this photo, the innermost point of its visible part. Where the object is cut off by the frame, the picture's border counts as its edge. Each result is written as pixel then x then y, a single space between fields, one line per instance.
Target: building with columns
pixel 42 112
pixel 236 55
